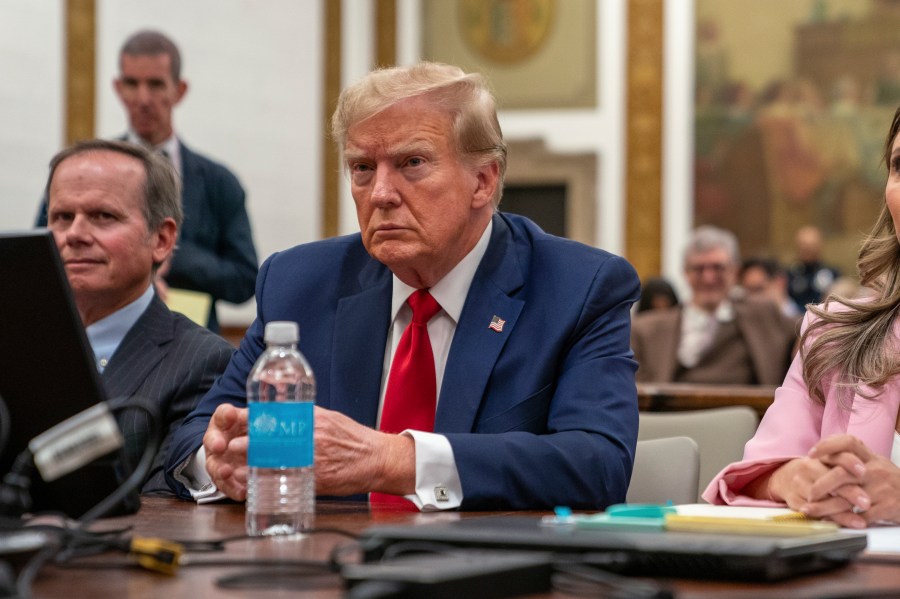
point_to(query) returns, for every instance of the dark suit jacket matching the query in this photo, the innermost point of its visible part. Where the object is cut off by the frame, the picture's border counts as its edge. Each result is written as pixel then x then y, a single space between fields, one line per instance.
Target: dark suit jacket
pixel 541 414
pixel 215 252
pixel 769 335
pixel 168 362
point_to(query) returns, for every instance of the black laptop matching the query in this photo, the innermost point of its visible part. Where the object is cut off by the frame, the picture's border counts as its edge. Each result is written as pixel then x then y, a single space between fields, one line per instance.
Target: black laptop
pixel 669 554
pixel 47 370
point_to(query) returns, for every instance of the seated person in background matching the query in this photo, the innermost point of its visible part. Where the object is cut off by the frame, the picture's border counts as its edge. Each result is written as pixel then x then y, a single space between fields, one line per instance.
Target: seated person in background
pixel 765 278
pixel 829 445
pixel 657 294
pixel 114 211
pixel 713 338
pixel 532 375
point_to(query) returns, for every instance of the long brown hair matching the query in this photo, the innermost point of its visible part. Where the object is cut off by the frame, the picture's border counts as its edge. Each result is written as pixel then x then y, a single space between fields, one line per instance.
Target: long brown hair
pixel 851 347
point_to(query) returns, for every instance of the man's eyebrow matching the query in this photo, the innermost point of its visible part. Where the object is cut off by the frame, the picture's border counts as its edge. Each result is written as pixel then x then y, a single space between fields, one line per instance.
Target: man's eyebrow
pixel 416 146
pixel 413 146
pixel 351 154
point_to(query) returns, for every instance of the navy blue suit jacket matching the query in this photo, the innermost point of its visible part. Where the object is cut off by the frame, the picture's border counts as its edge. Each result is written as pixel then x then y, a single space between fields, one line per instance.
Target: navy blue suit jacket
pixel 541 414
pixel 215 252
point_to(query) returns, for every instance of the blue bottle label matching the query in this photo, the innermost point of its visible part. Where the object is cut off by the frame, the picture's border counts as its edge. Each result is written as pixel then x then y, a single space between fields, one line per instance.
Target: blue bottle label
pixel 281 434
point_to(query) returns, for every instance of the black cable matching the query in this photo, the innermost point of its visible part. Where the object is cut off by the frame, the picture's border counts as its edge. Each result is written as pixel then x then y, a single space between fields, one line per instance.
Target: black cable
pixel 335 556
pixel 15 490
pixel 7 581
pixel 90 542
pixel 27 574
pixel 219 544
pixel 76 541
pixel 140 471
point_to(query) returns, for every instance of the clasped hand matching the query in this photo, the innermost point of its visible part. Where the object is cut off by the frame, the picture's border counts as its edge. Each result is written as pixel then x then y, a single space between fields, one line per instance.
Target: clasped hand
pixel 349 457
pixel 840 479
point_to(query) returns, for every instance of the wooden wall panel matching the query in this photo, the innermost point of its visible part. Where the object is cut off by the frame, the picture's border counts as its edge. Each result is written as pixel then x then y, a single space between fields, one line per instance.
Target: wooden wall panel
pixel 331 165
pixel 643 184
pixel 80 82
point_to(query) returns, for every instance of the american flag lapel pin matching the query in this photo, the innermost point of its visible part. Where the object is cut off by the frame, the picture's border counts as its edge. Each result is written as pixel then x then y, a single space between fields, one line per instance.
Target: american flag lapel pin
pixel 497 324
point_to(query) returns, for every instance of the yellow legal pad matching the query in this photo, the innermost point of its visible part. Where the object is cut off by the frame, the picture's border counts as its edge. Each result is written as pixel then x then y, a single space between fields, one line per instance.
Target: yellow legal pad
pixel 749 526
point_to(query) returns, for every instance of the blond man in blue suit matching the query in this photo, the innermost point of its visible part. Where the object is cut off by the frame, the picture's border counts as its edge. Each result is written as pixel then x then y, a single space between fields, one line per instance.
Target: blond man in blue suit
pixel 536 399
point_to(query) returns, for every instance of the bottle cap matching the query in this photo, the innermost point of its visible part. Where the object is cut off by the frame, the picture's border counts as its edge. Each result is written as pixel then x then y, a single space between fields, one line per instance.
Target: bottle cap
pixel 282 332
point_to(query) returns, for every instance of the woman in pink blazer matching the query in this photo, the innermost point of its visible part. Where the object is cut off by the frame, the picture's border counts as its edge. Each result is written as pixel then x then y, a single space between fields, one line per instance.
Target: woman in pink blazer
pixel 825 445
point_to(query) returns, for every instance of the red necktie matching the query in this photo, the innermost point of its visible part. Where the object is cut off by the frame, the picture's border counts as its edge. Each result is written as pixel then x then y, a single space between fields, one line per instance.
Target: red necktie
pixel 411 395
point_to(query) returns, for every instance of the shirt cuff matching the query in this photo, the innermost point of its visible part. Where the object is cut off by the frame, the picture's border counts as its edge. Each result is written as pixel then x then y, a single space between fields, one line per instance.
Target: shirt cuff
pixel 193 475
pixel 437 479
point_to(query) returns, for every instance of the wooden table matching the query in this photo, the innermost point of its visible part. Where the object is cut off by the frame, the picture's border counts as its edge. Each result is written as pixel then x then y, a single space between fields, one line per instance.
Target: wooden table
pixel 673 397
pixel 175 519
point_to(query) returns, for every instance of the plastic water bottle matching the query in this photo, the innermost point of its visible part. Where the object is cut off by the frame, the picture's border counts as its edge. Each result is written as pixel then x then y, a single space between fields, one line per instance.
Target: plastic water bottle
pixel 281 391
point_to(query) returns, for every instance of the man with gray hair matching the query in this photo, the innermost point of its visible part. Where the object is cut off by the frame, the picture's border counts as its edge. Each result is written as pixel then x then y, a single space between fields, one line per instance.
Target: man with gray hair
pixel 114 212
pixel 715 337
pixel 464 358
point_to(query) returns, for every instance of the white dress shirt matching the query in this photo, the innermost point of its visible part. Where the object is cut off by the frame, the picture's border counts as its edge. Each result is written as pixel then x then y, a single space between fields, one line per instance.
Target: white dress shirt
pixel 698 329
pixel 436 473
pixel 170 147
pixel 437 480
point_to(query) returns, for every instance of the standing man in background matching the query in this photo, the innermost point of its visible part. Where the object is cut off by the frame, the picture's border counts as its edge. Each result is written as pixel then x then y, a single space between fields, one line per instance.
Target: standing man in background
pixel 808 277
pixel 215 252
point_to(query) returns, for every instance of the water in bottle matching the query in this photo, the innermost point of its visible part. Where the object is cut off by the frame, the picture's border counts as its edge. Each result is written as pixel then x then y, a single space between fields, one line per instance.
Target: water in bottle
pixel 281 391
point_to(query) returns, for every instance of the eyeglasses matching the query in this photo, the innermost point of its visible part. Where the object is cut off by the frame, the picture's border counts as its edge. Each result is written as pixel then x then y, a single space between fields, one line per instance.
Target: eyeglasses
pixel 717 268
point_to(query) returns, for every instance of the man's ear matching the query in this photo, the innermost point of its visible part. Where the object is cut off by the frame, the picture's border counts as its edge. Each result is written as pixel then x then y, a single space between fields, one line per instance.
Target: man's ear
pixel 487 179
pixel 164 240
pixel 117 86
pixel 181 87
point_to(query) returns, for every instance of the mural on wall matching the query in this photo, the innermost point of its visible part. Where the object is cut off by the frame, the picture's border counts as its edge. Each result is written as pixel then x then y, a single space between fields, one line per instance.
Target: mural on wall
pixel 793 101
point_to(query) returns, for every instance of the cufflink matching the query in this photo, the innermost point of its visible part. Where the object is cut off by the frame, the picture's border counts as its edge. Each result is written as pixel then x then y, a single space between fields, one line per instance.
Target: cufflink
pixel 441 494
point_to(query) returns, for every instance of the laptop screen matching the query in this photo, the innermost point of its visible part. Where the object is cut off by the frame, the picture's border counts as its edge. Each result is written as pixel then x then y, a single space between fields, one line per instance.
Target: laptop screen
pixel 48 371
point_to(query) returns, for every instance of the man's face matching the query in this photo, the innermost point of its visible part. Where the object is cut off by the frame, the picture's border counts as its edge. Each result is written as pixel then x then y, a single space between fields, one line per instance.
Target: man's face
pixel 756 282
pixel 95 214
pixel 149 93
pixel 420 209
pixel 711 275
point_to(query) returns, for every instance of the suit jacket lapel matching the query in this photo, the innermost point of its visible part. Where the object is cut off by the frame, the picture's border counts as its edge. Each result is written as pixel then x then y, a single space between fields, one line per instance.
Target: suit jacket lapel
pixel 360 335
pixel 190 182
pixel 475 346
pixel 139 352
